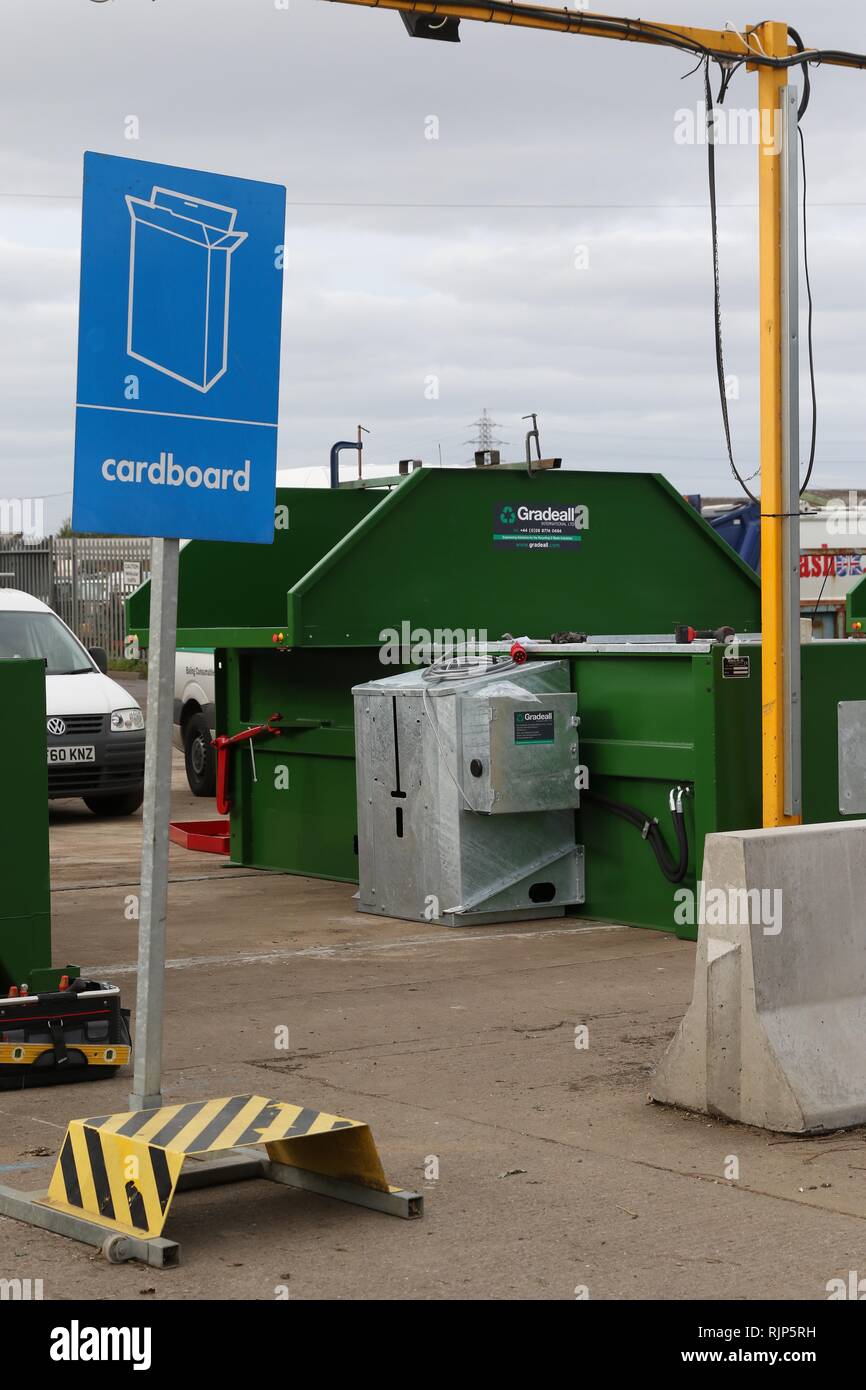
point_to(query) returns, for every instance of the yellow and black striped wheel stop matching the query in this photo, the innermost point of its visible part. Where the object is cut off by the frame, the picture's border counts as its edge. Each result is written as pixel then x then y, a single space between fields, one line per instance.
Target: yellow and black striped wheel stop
pixel 121 1171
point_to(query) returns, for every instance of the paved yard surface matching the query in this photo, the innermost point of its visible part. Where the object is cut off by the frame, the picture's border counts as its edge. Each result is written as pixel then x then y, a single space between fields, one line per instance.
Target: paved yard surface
pixel 553 1170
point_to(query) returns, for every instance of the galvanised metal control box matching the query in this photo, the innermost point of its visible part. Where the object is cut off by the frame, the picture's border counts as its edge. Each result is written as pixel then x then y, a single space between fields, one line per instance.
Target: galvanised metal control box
pixel 468 778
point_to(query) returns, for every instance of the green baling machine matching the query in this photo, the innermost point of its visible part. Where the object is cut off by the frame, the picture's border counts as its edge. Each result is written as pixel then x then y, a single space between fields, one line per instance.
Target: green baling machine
pixel 363 582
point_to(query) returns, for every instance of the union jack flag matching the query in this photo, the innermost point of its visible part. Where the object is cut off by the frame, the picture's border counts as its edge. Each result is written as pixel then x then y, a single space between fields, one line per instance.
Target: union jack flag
pixel 848 565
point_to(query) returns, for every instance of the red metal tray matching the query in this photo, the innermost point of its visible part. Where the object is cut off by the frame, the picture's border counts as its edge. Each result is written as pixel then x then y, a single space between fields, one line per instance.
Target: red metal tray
pixel 209 836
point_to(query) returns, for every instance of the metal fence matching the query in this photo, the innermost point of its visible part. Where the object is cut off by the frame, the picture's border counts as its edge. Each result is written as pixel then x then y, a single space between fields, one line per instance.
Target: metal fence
pixel 83 578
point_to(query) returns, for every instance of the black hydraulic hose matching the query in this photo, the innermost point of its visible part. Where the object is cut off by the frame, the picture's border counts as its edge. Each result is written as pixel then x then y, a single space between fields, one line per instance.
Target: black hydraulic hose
pixel 619 808
pixel 684 847
pixel 682 839
pixel 673 872
pixel 649 829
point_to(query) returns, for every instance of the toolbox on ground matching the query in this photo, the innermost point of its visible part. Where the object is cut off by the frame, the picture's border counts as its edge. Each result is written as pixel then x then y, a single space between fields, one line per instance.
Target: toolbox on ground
pixel 80 1033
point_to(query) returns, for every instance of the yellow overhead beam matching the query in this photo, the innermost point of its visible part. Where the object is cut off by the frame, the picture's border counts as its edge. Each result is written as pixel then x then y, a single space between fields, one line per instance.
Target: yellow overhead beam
pixel 725 43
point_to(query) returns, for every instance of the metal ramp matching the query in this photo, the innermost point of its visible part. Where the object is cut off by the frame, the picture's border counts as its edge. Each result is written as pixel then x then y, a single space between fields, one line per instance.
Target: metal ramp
pixel 116 1175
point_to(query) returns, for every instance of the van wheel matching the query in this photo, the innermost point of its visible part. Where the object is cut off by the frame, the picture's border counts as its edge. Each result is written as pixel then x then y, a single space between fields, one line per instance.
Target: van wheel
pixel 121 804
pixel 199 756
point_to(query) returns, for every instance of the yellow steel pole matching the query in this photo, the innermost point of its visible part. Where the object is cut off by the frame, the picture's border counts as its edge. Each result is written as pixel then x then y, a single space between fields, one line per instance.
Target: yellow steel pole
pixel 774 40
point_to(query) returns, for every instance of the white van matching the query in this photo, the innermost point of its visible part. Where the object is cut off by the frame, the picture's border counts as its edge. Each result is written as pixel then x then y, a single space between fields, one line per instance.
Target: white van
pixel 95 728
pixel 194 717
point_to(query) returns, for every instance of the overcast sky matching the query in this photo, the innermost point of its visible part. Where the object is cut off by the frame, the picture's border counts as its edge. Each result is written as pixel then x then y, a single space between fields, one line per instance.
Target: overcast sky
pixel 455 258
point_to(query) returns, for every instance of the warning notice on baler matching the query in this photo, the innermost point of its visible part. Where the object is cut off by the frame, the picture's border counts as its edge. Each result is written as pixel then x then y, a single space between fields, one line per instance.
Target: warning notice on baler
pixel 533 726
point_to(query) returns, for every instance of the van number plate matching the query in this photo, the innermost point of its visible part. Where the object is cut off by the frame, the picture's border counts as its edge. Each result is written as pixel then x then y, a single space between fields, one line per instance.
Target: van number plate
pixel 76 753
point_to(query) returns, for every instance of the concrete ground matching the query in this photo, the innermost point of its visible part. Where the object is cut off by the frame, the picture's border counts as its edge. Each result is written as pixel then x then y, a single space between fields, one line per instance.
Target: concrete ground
pixel 554 1172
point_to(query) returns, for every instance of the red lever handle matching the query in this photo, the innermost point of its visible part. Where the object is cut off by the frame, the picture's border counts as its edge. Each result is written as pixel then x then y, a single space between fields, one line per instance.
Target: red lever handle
pixel 222 743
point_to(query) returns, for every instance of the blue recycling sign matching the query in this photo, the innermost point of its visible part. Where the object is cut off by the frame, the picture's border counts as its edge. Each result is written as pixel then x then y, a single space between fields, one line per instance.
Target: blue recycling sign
pixel 178 352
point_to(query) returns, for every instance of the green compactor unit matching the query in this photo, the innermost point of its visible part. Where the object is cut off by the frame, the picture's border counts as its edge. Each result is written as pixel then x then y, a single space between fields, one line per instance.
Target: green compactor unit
pixel 54 1026
pixel 639 594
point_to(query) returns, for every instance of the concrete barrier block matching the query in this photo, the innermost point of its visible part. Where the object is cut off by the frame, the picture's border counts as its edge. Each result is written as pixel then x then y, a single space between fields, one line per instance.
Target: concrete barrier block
pixel 775 1035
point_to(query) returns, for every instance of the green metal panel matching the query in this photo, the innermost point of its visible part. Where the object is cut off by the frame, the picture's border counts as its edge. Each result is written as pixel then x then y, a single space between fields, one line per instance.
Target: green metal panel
pixel 235 595
pixel 426 555
pixel 294 805
pixel 25 893
pixel 832 671
pixel 855 606
pixel 353 563
pixel 649 722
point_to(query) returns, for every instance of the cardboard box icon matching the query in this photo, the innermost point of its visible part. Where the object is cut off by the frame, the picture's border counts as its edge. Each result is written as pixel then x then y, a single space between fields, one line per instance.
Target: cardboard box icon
pixel 180 252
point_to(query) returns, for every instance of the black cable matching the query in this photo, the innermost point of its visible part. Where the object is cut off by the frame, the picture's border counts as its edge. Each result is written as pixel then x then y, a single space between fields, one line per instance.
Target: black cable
pixel 693 70
pixel 650 831
pixel 714 230
pixel 814 393
pixel 801 111
pixel 674 873
pixel 680 826
pixel 823 585
pixel 807 81
pixel 654 33
pixel 711 169
pixel 728 71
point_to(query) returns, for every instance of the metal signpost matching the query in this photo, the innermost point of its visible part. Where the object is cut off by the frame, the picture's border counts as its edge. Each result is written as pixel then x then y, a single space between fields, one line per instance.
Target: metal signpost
pixel 175 432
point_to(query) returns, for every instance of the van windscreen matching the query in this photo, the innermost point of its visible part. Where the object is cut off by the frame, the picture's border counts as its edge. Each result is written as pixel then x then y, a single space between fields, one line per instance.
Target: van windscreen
pixel 42 636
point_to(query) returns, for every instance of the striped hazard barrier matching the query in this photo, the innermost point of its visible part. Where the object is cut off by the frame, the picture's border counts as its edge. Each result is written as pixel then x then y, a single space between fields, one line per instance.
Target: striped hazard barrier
pixel 121 1171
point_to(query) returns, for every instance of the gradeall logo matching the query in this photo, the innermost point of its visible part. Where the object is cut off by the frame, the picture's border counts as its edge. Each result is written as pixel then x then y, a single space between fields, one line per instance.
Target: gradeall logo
pixel 507 516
